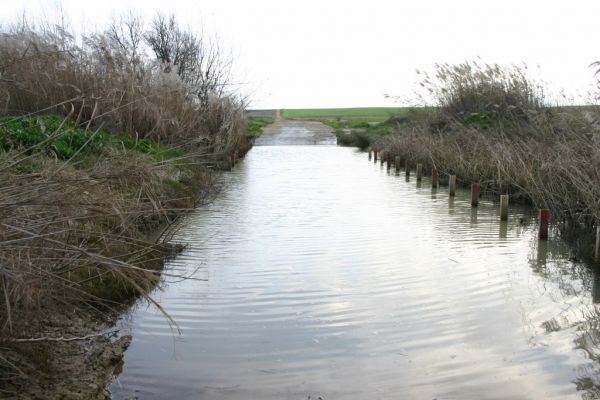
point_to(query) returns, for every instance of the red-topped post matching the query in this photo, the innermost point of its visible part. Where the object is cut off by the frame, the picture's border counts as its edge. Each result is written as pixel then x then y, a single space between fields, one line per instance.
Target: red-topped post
pixel 474 194
pixel 544 223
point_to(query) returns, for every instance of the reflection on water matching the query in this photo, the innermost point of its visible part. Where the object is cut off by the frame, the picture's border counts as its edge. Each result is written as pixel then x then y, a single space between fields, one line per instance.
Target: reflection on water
pixel 327 276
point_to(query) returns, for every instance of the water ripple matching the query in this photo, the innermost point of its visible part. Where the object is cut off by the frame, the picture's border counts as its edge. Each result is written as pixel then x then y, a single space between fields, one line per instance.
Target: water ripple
pixel 327 276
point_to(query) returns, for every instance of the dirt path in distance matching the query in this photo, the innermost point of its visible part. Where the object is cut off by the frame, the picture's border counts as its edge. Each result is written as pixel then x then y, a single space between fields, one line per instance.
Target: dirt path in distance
pixel 287 132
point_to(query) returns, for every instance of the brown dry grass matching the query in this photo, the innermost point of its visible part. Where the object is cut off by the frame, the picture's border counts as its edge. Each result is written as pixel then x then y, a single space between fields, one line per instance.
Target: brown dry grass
pixel 78 237
pixel 114 81
pixel 78 241
pixel 547 156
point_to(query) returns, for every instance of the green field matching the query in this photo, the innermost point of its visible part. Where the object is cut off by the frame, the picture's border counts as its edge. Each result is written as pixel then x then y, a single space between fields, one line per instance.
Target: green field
pixel 362 113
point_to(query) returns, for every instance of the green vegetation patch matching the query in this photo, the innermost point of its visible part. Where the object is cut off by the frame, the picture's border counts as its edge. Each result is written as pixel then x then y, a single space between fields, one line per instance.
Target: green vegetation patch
pixel 48 134
pixel 481 119
pixel 255 125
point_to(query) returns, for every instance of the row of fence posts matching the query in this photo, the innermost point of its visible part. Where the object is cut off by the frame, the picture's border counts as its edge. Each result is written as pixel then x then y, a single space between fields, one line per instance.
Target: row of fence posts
pixel 544 213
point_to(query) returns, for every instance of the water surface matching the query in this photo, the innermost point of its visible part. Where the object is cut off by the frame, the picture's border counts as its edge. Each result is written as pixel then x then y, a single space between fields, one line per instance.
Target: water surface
pixel 327 276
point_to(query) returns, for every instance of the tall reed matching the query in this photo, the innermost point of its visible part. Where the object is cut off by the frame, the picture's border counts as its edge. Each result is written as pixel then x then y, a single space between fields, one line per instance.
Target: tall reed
pixel 494 127
pixel 80 235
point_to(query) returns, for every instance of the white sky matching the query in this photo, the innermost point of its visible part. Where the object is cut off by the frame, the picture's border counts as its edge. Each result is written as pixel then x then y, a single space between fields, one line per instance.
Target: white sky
pixel 312 53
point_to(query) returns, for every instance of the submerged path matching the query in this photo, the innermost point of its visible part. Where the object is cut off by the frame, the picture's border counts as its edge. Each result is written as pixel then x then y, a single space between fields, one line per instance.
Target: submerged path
pixel 322 275
pixel 295 132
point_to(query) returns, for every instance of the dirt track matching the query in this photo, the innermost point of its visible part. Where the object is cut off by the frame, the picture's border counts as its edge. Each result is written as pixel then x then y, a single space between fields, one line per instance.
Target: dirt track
pixel 284 132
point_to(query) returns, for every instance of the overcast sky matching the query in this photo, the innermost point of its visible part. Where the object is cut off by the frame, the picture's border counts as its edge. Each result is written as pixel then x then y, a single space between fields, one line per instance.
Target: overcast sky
pixel 313 53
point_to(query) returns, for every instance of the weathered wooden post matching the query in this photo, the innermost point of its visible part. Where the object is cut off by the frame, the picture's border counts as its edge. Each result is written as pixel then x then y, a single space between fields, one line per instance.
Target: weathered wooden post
pixel 452 186
pixel 419 172
pixel 382 158
pixel 595 289
pixel 434 178
pixel 544 223
pixel 370 155
pixel 397 164
pixel 407 168
pixel 504 207
pixel 503 229
pixel 389 161
pixel 375 152
pixel 597 252
pixel 474 195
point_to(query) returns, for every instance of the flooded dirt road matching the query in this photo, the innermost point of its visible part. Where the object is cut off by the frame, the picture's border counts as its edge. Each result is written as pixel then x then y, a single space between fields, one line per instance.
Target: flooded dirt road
pixel 295 132
pixel 324 275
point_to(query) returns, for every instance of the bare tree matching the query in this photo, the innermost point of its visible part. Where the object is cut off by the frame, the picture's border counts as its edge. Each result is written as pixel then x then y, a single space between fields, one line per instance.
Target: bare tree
pixel 127 34
pixel 201 66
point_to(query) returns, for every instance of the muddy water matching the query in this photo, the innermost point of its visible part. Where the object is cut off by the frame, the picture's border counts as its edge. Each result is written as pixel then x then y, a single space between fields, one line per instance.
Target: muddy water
pixel 326 276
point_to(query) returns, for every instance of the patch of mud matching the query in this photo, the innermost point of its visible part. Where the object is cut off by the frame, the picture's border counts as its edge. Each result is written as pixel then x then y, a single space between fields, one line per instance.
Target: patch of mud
pixel 65 368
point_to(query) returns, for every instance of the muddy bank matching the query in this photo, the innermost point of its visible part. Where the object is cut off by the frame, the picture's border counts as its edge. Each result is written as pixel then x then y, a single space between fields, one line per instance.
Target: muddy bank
pixel 76 358
pixel 79 244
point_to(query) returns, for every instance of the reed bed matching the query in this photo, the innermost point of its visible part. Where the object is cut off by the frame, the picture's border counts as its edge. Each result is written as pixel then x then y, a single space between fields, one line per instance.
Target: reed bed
pixel 114 78
pixel 494 127
pixel 84 196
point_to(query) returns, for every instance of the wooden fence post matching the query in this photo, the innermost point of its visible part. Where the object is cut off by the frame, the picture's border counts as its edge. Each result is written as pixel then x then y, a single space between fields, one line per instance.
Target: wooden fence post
pixel 544 223
pixel 597 252
pixel 504 207
pixel 474 195
pixel 434 178
pixel 452 186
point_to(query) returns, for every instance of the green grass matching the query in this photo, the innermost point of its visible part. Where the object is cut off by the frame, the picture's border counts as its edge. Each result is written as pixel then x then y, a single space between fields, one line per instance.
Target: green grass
pixel 255 125
pixel 45 134
pixel 361 133
pixel 363 113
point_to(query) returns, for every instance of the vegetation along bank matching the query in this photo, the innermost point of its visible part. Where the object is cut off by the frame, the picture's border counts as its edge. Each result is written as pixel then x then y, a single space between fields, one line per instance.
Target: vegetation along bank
pixel 494 126
pixel 105 139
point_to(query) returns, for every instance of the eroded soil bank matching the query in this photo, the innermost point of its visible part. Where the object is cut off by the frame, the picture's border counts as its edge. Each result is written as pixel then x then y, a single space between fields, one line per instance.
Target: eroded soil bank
pixel 79 356
pixel 79 242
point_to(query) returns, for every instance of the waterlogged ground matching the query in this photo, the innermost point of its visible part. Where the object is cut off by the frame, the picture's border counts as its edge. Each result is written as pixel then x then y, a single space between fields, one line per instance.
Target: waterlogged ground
pixel 283 132
pixel 324 275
